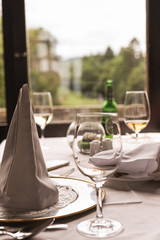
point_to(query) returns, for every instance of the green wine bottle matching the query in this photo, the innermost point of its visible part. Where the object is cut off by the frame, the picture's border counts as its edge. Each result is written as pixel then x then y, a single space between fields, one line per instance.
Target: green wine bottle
pixel 109 105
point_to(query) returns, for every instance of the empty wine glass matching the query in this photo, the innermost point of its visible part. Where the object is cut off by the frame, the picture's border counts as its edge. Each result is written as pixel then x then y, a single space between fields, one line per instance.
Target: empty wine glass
pixel 42 109
pixel 136 110
pixel 97 156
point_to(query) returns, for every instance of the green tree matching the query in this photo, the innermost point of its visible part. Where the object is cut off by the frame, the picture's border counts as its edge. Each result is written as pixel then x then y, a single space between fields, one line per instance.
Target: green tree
pixel 90 74
pixel 126 69
pixel 109 54
pixel 136 79
pixel 48 80
pixel 71 80
pixel 122 67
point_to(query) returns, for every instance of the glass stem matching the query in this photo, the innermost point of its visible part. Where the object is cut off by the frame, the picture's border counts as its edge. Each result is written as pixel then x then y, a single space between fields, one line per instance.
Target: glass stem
pixel 42 133
pixel 99 213
pixel 136 136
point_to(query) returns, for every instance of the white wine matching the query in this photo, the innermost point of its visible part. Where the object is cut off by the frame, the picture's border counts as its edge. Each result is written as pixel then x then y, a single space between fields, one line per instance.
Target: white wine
pixel 136 125
pixel 42 119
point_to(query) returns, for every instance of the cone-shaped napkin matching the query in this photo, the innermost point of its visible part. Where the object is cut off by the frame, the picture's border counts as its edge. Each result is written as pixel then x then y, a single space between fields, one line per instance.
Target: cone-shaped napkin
pixel 24 181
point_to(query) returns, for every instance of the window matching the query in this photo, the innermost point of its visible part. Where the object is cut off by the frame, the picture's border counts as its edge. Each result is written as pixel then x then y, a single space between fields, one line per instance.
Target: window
pixel 76 45
pixel 16 72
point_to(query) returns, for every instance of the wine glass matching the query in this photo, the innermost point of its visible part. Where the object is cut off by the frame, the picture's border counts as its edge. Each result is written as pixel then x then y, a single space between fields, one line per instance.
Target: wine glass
pixel 42 109
pixel 136 110
pixel 70 134
pixel 97 150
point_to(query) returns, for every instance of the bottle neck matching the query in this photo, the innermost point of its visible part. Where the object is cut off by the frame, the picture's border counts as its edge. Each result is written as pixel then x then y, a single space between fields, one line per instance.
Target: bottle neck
pixel 109 93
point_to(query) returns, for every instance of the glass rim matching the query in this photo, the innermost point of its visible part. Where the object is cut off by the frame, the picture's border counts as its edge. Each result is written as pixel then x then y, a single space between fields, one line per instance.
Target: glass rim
pixel 41 93
pixel 143 91
pixel 96 114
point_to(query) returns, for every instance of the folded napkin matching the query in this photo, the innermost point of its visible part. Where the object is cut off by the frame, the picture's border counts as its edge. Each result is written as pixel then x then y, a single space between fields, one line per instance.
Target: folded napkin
pixel 137 159
pixel 24 181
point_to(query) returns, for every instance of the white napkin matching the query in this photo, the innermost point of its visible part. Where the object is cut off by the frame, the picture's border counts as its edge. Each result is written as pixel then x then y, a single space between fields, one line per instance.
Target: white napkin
pixel 24 181
pixel 138 159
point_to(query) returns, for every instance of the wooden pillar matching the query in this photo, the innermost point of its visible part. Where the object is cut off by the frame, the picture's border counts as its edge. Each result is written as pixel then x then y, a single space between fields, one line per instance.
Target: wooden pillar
pixel 153 61
pixel 15 52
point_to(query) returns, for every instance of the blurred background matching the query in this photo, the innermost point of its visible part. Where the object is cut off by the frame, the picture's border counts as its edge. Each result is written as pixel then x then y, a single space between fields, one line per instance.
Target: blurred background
pixel 74 46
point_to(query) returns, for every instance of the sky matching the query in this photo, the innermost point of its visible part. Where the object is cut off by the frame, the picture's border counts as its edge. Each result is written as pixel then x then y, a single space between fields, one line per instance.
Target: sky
pixel 84 27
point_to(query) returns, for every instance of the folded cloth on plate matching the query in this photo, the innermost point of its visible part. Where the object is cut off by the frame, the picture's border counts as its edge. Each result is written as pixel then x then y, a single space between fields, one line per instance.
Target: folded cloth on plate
pixel 138 159
pixel 24 181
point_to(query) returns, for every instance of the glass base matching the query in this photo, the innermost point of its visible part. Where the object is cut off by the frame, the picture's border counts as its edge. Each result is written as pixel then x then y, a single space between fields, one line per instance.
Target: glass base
pixel 104 228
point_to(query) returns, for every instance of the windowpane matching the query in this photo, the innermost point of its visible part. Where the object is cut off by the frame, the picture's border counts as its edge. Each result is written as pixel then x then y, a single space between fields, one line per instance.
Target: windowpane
pixel 76 45
pixel 2 84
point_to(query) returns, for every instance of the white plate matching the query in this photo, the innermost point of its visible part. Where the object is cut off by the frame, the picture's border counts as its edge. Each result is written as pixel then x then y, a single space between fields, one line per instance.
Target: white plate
pixel 86 196
pixel 86 200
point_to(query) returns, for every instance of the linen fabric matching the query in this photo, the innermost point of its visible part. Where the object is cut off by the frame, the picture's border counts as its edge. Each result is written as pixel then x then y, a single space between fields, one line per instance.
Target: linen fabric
pixel 24 181
pixel 138 159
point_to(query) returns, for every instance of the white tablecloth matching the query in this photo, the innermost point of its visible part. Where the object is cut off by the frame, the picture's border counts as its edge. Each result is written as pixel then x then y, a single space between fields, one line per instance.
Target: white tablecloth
pixel 135 204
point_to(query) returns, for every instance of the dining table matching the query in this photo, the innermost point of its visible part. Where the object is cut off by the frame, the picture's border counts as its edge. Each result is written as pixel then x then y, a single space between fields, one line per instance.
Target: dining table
pixel 133 202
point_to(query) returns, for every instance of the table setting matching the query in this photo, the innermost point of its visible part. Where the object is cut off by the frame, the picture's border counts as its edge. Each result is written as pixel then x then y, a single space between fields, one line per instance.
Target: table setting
pixel 104 185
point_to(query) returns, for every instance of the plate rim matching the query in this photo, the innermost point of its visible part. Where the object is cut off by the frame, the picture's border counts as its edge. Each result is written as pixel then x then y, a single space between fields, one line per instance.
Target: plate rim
pixel 22 220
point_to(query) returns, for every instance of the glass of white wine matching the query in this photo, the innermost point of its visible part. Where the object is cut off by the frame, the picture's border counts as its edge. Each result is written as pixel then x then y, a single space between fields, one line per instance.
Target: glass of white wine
pixel 97 150
pixel 136 110
pixel 42 109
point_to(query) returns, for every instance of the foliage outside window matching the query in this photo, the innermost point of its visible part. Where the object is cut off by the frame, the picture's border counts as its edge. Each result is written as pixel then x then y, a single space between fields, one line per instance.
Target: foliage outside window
pixel 40 51
pixel 126 69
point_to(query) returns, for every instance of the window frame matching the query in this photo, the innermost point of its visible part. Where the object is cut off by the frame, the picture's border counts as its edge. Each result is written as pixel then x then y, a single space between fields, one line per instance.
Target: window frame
pixel 16 60
pixel 15 51
pixel 153 61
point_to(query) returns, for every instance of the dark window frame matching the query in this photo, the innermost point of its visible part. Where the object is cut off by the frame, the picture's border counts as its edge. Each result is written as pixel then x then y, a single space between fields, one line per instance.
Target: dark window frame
pixel 16 59
pixel 15 51
pixel 153 60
